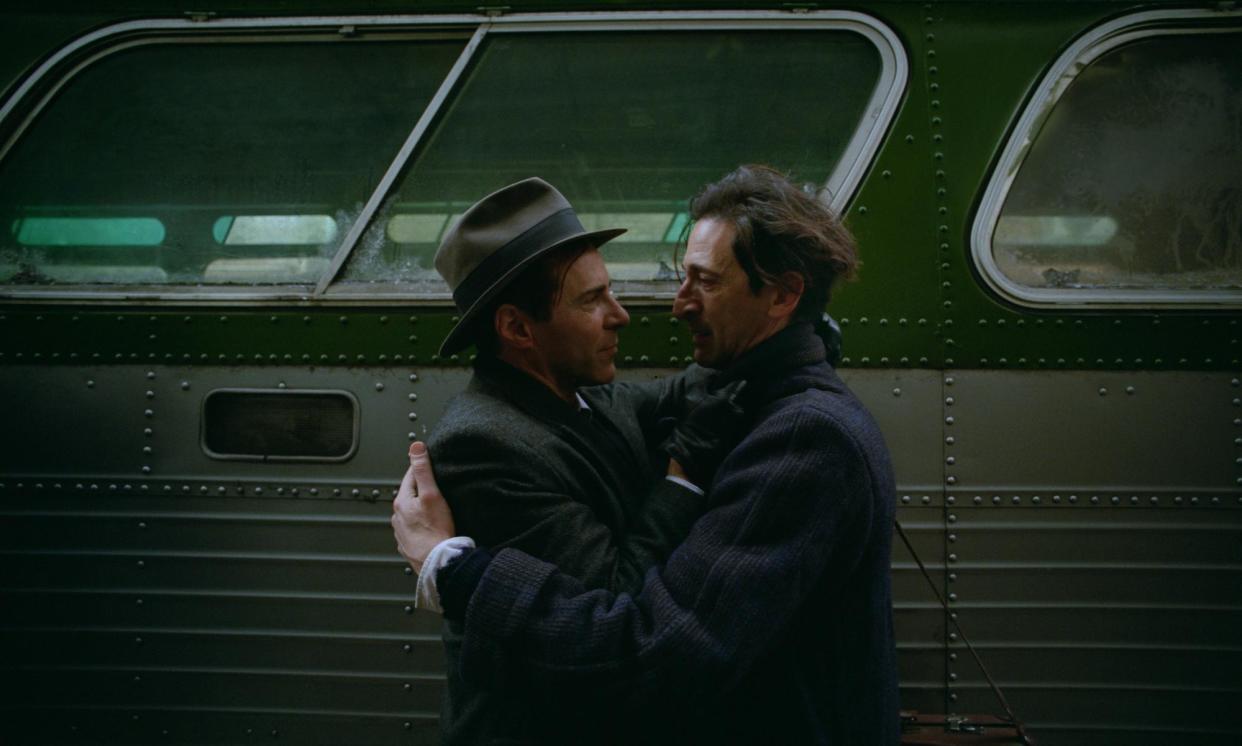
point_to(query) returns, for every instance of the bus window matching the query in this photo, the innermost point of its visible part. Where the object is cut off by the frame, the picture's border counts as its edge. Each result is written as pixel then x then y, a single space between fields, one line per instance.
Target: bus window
pixel 285 136
pixel 280 425
pixel 628 125
pixel 1131 186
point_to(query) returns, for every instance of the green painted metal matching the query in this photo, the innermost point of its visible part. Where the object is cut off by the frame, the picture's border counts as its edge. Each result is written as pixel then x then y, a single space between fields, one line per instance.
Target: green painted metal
pixel 886 339
pixel 334 337
pixel 918 303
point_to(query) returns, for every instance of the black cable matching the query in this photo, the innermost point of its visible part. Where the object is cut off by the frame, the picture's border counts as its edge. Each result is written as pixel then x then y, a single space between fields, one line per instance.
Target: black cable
pixel 1017 724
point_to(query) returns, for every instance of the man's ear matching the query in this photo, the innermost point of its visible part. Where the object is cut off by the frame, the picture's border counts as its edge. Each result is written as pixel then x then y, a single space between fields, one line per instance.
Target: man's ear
pixel 787 296
pixel 513 327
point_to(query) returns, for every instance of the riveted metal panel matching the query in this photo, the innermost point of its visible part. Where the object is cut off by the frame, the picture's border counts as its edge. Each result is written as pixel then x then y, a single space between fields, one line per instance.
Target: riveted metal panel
pixel 68 421
pixel 1105 619
pixel 188 570
pixel 1075 734
pixel 302 688
pixel 113 647
pixel 1116 715
pixel 132 607
pixel 268 612
pixel 237 525
pixel 137 724
pixel 918 619
pixel 1118 668
pixel 1103 624
pixel 906 405
pixel 145 422
pixel 1090 430
pixel 1100 536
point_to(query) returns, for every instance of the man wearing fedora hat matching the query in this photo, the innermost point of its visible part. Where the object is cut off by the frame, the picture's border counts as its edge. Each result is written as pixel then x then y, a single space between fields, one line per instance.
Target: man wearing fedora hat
pixel 536 454
pixel 772 621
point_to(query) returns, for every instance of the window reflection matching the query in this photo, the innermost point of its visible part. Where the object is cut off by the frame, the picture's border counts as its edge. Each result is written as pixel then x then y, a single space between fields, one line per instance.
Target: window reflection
pixel 76 231
pixel 182 162
pixel 1135 178
pixel 628 126
pixel 275 230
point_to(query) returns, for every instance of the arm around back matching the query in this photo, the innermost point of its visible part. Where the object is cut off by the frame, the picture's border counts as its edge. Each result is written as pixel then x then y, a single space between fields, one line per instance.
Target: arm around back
pixel 529 495
pixel 794 509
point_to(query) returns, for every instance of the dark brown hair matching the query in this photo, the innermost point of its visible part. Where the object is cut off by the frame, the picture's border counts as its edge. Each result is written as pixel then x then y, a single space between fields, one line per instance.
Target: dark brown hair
pixel 535 291
pixel 780 228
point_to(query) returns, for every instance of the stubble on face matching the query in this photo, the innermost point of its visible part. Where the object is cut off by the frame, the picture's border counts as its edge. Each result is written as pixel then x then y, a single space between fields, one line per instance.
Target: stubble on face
pixel 726 318
pixel 579 343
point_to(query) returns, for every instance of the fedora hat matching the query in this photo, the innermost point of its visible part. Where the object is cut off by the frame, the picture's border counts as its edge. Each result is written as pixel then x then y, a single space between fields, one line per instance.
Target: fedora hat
pixel 496 238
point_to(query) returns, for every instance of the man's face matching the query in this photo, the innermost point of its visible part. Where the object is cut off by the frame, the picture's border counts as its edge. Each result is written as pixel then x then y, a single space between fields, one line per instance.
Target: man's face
pixel 578 343
pixel 715 299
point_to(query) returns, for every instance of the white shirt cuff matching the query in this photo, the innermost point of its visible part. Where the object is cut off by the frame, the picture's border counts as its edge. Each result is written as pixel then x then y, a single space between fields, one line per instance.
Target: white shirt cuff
pixel 686 483
pixel 426 595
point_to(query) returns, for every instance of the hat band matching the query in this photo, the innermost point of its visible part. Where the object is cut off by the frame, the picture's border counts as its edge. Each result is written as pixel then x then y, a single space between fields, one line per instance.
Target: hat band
pixel 541 235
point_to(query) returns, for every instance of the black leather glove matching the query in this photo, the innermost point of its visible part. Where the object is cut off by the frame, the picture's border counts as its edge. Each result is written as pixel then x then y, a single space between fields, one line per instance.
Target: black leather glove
pixel 708 433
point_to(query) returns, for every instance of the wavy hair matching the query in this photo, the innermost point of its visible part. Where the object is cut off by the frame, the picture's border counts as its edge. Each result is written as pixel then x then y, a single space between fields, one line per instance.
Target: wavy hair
pixel 779 229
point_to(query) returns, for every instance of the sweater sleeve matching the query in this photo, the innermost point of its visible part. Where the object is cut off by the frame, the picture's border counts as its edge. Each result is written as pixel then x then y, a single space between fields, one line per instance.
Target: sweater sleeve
pixel 458 579
pixel 793 498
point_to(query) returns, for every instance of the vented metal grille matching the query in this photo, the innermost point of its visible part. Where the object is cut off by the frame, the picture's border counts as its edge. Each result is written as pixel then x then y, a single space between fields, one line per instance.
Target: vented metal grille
pixel 280 425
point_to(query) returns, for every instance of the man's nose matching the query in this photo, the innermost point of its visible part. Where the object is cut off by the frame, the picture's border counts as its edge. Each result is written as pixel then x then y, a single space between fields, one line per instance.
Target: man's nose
pixel 618 317
pixel 683 303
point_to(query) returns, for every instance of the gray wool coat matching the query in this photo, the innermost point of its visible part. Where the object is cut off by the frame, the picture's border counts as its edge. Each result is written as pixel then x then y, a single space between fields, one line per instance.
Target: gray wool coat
pixel 523 469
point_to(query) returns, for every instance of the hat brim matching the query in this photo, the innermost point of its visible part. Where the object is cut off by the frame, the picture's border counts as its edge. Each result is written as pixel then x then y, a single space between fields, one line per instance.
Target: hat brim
pixel 460 337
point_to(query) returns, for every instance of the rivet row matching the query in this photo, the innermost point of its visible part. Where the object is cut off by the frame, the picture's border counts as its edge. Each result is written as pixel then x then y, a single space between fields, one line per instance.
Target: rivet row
pixel 369 492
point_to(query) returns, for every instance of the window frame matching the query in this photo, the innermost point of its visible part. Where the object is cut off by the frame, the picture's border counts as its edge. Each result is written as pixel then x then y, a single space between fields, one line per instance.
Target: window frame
pixel 841 184
pixel 1056 81
pixel 355 437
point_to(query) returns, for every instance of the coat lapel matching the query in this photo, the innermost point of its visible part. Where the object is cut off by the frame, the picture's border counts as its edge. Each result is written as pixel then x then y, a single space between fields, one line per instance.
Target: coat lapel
pixel 614 471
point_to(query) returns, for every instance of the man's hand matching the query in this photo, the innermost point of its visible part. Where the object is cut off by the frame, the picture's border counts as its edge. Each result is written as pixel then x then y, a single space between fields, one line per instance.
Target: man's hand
pixel 420 517
pixel 707 434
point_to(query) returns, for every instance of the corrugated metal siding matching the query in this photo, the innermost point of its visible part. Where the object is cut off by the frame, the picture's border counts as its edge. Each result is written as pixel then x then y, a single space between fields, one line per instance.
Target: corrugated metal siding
pixel 919 620
pixel 222 617
pixel 1096 552
pixel 1104 622
pixel 209 618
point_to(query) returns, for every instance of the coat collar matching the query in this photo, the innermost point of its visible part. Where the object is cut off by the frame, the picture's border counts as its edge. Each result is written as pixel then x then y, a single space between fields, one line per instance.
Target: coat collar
pixel 503 381
pixel 524 392
pixel 771 367
pixel 794 346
